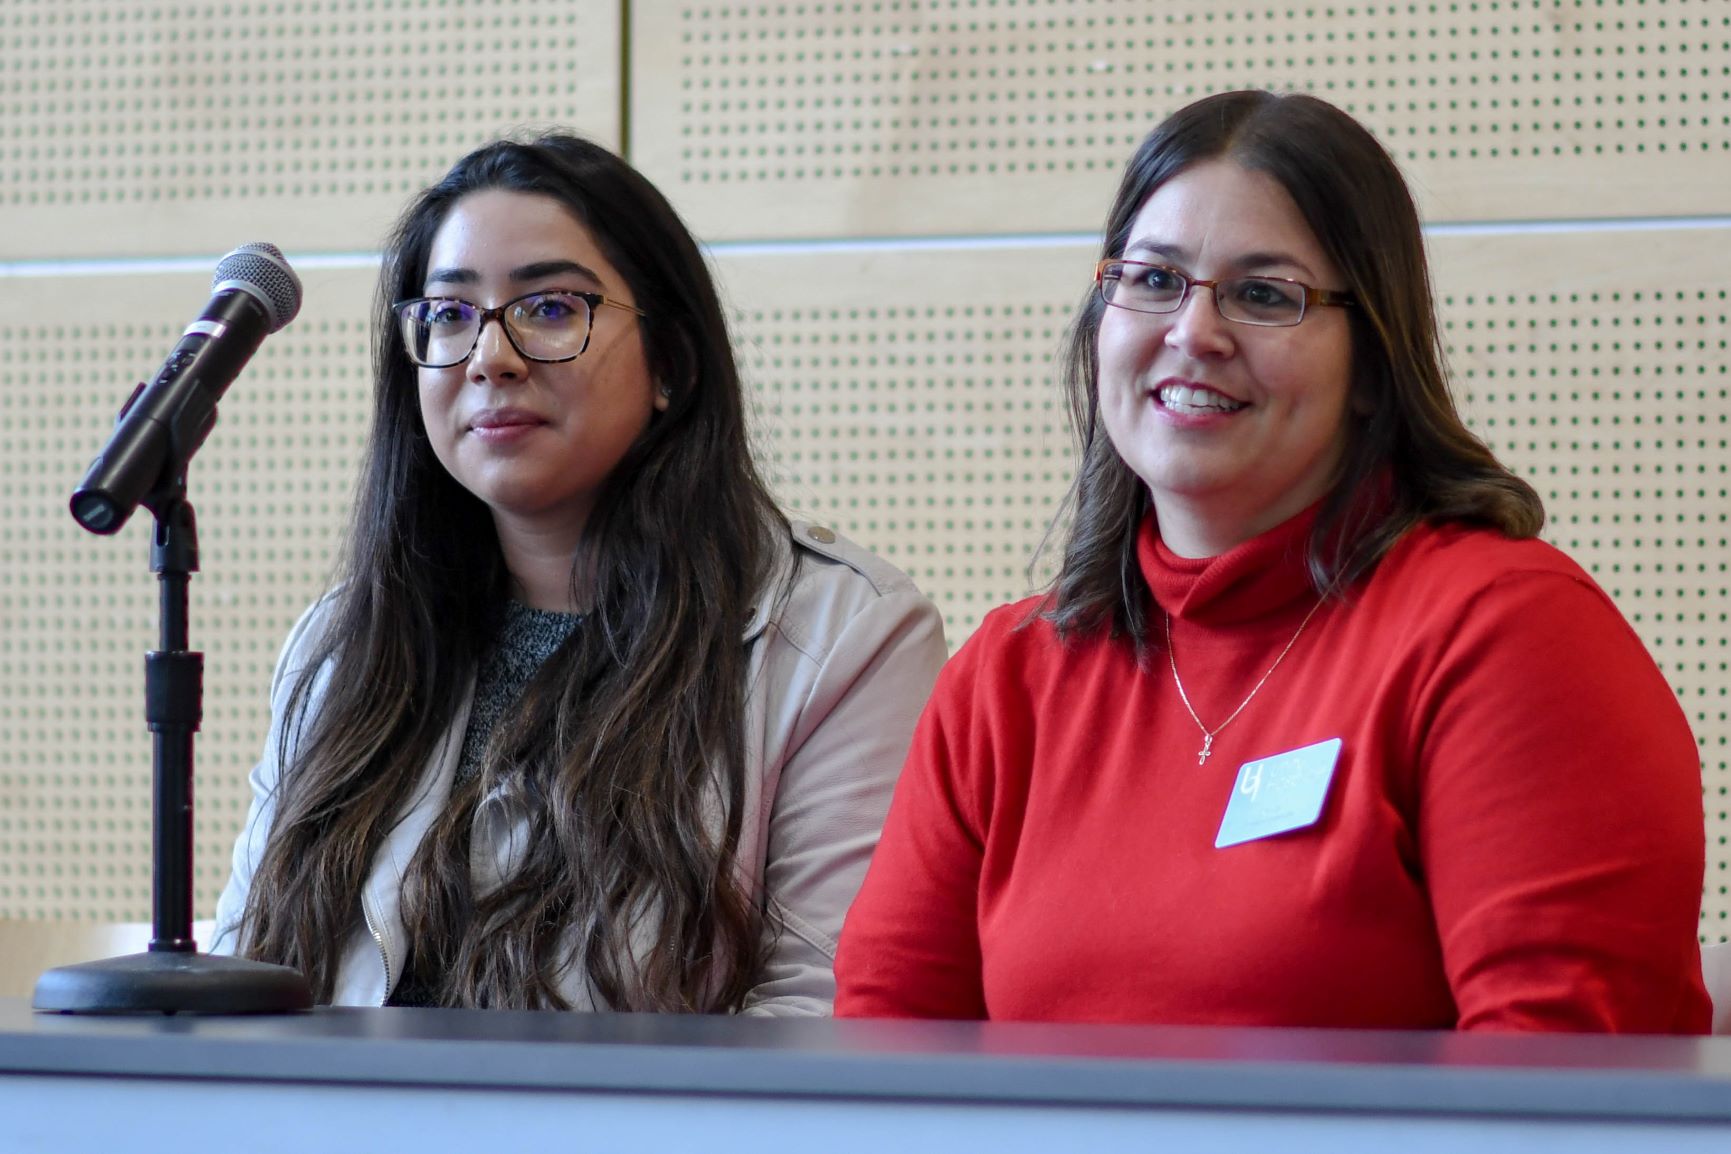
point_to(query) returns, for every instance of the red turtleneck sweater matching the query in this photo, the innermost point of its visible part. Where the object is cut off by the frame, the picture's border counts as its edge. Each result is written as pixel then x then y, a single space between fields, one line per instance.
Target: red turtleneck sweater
pixel 1512 837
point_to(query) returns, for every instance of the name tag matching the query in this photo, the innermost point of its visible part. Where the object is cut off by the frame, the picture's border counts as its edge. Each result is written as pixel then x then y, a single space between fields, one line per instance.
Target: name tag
pixel 1280 793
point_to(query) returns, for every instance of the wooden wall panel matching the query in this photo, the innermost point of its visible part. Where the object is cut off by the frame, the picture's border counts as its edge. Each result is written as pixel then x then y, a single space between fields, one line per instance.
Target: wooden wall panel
pixel 765 118
pixel 904 395
pixel 271 489
pixel 904 390
pixel 151 127
pixel 907 397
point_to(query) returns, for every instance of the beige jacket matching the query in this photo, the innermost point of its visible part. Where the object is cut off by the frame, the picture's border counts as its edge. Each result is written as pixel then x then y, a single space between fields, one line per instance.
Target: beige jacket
pixel 844 651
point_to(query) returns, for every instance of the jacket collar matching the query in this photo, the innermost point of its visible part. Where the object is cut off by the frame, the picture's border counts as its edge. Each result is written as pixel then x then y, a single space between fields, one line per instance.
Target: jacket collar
pixel 772 591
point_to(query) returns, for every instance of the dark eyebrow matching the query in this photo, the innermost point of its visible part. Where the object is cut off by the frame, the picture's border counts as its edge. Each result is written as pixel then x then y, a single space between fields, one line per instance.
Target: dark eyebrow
pixel 1258 260
pixel 542 269
pixel 1244 263
pixel 539 270
pixel 1170 252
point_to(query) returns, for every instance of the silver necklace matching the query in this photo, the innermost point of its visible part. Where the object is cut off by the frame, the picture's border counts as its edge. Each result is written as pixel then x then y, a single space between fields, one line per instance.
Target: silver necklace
pixel 1208 735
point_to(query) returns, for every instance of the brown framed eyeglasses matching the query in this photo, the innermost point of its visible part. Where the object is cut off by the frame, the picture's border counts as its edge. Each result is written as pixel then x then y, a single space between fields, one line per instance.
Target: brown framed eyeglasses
pixel 1264 301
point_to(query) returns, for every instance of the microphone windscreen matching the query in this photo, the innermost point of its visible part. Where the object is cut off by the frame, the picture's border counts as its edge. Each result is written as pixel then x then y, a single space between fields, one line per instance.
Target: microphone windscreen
pixel 259 270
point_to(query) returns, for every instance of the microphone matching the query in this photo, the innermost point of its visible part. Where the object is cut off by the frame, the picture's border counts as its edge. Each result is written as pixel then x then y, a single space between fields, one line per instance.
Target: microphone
pixel 253 294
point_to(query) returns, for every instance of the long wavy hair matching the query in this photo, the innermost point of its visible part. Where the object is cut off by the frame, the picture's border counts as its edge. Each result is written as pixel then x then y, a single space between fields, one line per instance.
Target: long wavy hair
pixel 1409 456
pixel 625 751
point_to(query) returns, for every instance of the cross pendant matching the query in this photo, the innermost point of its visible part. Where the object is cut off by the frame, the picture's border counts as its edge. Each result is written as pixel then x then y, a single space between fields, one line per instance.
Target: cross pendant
pixel 1207 749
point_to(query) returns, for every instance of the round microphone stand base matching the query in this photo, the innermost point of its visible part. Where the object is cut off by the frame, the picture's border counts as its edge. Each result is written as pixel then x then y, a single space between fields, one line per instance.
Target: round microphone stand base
pixel 172 982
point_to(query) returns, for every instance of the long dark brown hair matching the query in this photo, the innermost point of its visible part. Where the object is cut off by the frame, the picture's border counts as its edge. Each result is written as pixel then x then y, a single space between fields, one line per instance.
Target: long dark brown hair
pixel 625 746
pixel 1409 457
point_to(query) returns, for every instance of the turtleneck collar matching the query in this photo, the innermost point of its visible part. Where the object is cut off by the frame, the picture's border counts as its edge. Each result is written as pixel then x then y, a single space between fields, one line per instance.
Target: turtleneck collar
pixel 1251 580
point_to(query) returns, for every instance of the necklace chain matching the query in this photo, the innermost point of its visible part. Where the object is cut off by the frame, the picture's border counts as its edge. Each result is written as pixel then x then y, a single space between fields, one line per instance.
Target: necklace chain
pixel 1208 735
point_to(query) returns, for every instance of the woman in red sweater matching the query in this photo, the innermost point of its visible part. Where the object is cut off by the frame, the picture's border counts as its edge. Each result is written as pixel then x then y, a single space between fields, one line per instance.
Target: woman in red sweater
pixel 1311 729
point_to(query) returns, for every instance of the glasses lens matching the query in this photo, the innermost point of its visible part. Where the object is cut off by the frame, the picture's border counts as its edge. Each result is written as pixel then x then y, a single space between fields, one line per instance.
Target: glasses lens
pixel 550 326
pixel 1146 288
pixel 1257 300
pixel 438 332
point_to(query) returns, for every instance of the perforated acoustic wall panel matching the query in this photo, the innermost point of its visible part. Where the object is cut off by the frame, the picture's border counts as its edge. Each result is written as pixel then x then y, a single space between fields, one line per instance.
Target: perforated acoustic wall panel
pixel 908 398
pixel 271 488
pixel 905 392
pixel 889 117
pixel 141 127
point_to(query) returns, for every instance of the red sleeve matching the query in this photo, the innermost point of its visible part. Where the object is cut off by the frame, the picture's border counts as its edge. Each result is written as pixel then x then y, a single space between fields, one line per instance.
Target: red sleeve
pixel 1560 819
pixel 910 947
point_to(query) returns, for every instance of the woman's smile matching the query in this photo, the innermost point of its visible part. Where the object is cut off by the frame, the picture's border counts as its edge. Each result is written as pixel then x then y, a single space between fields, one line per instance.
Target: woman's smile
pixel 1193 399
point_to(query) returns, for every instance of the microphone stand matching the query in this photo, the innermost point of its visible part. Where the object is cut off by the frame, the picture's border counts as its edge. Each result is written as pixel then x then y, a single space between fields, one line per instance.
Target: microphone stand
pixel 172 976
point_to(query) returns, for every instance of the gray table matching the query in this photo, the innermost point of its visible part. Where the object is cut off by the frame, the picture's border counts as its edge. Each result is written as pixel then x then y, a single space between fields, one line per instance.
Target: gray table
pixel 422 1080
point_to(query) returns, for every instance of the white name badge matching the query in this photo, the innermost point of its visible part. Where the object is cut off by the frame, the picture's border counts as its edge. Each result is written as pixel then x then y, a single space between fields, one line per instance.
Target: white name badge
pixel 1280 793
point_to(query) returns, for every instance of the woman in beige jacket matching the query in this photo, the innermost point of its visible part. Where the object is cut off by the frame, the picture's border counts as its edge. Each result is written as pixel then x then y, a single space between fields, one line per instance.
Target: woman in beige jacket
pixel 587 724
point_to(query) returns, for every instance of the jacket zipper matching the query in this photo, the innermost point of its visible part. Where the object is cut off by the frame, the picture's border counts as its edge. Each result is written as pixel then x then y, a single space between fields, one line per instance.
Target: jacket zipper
pixel 384 958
